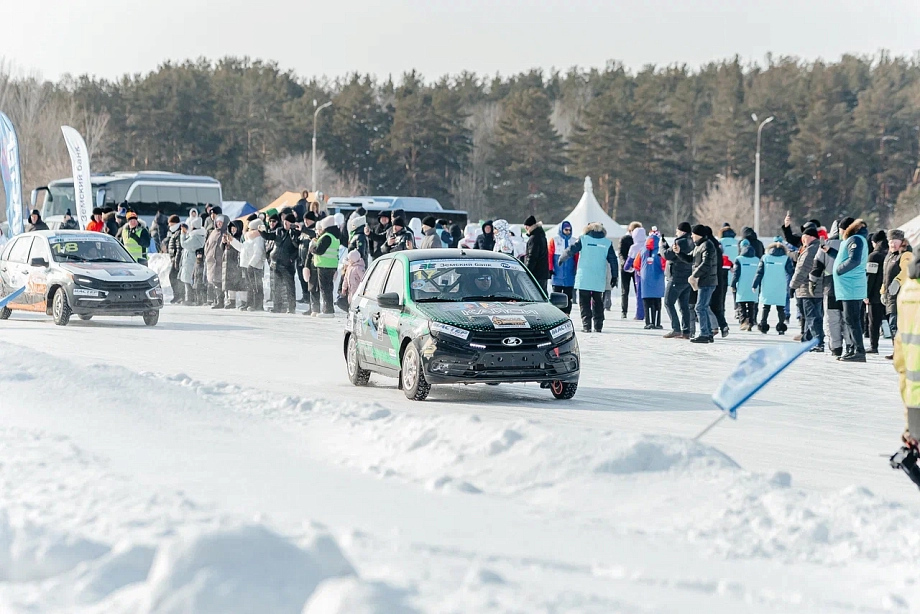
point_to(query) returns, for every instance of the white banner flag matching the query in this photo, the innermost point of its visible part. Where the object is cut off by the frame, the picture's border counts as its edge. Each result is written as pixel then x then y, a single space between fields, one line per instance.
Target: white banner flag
pixel 82 186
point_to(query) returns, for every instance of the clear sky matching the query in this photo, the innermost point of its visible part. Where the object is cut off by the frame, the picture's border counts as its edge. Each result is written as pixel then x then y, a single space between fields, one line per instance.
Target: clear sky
pixel 108 38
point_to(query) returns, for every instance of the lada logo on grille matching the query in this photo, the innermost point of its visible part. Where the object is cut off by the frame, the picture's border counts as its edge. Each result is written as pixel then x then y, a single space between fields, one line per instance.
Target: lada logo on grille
pixel 511 341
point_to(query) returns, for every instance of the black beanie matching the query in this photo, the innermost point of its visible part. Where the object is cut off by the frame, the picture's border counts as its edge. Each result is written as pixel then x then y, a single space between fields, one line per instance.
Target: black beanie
pixel 217 210
pixel 880 236
pixel 684 227
pixel 97 211
pixel 530 221
pixel 309 215
pixel 290 217
pixel 699 230
pixel 429 221
pixel 398 221
pixel 811 231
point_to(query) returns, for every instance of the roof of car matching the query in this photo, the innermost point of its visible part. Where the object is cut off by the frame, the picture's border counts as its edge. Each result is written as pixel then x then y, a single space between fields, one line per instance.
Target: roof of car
pixel 438 254
pixel 57 233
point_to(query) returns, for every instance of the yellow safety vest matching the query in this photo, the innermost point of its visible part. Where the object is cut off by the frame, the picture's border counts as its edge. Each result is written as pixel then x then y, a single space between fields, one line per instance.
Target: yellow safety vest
pixel 907 343
pixel 134 248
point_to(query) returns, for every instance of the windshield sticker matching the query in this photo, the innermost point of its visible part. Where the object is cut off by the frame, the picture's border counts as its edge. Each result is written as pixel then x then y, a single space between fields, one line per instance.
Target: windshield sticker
pixel 509 322
pixel 430 265
pixel 418 284
pixel 474 310
pixel 97 237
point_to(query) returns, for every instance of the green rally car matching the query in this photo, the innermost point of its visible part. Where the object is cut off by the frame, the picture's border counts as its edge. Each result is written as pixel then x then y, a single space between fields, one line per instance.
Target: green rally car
pixel 446 316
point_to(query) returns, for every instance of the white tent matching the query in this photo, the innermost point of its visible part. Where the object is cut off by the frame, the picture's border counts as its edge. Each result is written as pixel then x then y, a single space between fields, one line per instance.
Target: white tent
pixel 912 231
pixel 587 211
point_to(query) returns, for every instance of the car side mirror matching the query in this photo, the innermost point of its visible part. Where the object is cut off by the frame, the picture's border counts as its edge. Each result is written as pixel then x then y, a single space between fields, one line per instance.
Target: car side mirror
pixel 558 299
pixel 39 262
pixel 389 300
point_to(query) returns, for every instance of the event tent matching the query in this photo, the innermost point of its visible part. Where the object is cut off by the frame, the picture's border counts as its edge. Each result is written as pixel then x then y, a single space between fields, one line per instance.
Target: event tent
pixel 288 199
pixel 912 230
pixel 587 211
pixel 235 209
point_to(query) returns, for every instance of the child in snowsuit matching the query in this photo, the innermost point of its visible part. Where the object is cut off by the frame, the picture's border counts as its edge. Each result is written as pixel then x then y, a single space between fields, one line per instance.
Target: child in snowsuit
pixel 743 272
pixel 650 265
pixel 772 281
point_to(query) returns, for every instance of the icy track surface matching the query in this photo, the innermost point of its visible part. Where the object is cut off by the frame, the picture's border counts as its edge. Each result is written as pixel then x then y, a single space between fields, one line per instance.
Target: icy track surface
pixel 222 463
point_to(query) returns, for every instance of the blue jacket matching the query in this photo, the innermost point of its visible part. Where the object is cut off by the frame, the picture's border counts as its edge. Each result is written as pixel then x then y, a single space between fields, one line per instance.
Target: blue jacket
pixel 772 277
pixel 743 273
pixel 563 272
pixel 729 244
pixel 596 259
pixel 651 272
pixel 850 282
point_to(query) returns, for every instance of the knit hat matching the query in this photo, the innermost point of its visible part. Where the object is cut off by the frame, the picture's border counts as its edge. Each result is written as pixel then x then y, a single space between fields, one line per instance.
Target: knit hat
pixel 530 221
pixel 339 219
pixel 216 210
pixel 309 215
pixel 131 215
pixel 726 225
pixel 383 214
pixel 356 223
pixel 895 234
pixel 256 224
pixel 398 221
pixel 811 231
pixel 327 222
pixel 699 230
pixel 97 211
pixel 879 236
pixel 290 217
pixel 429 221
pixel 684 227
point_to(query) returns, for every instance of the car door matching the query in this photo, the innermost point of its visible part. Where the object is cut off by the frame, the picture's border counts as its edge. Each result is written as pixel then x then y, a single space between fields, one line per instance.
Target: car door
pixel 6 284
pixel 37 282
pixel 368 314
pixel 387 341
pixel 17 271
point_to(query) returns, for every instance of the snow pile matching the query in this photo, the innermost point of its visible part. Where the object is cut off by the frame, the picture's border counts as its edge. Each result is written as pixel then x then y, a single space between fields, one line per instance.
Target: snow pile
pixel 245 570
pixel 352 596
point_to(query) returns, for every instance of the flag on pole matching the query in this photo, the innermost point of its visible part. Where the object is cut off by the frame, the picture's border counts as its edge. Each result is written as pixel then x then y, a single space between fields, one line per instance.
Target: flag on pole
pixel 755 372
pixel 11 171
pixel 79 163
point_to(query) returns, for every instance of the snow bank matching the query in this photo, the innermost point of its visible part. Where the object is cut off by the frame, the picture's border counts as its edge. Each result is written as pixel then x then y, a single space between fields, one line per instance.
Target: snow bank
pixel 353 596
pixel 244 570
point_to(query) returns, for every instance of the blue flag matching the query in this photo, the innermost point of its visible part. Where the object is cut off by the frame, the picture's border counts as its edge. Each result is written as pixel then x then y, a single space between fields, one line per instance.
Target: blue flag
pixel 9 297
pixel 11 172
pixel 755 372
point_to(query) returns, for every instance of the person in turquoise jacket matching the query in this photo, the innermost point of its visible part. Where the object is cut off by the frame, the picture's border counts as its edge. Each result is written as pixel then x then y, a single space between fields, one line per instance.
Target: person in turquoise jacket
pixel 850 287
pixel 650 264
pixel 596 258
pixel 772 282
pixel 744 270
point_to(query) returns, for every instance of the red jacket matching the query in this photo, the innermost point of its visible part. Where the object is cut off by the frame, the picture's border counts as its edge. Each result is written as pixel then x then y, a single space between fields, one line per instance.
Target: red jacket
pixel 95 226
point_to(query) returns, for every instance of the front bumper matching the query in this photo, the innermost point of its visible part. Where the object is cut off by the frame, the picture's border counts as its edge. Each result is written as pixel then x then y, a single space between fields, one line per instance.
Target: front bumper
pixel 134 302
pixel 446 362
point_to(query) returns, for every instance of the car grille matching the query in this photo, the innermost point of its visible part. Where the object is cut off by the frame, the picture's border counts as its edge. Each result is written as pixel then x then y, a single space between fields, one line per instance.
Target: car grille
pixel 529 337
pixel 121 285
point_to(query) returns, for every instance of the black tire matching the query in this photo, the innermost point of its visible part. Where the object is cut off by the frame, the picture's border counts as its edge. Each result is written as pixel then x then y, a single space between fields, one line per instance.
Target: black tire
pixel 563 390
pixel 412 375
pixel 152 317
pixel 86 317
pixel 356 375
pixel 60 308
pixel 5 313
pixel 492 383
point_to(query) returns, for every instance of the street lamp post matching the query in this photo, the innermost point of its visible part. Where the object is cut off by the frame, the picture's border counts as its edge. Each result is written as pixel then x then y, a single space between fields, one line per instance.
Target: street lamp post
pixel 757 172
pixel 313 159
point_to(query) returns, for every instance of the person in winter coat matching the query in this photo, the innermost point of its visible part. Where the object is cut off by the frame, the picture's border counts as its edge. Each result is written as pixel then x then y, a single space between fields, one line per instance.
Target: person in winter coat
pixel 135 238
pixel 596 259
pixel 486 240
pixel 626 276
pixel 563 273
pixel 850 286
pixel 35 222
pixel 377 237
pixel 894 270
pixel 536 255
pixel 174 250
pixel 504 243
pixel 214 260
pixel 307 234
pixel 286 238
pixel 751 236
pixel 875 273
pixel 232 281
pixel 771 281
pixel 823 271
pixel 252 263
pixel 399 237
pixel 96 224
pixel 357 239
pixel 69 223
pixel 191 266
pixel 729 242
pixel 811 293
pixel 352 274
pixel 704 277
pixel 326 261
pixel 432 238
pixel 650 264
pixel 790 237
pixel 456 235
pixel 638 244
pixel 743 272
pixel 679 259
pixel 907 349
pixel 111 224
pixel 158 230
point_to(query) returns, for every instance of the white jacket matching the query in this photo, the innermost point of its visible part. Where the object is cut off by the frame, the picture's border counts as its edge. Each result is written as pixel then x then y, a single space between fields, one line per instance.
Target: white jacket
pixel 252 255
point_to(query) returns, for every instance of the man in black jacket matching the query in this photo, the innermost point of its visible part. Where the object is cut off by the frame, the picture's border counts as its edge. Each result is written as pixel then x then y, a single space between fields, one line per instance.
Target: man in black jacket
pixel 486 240
pixel 626 277
pixel 705 277
pixel 536 258
pixel 680 264
pixel 283 262
pixel 377 238
pixel 307 234
pixel 875 273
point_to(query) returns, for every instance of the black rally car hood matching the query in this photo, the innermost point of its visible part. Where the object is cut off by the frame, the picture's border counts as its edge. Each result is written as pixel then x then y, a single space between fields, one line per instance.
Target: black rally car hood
pixel 481 316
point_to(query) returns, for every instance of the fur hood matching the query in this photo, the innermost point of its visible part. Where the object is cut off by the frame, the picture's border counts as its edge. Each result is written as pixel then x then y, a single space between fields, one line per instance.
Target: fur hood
pixel 853 228
pixel 594 227
pixel 777 248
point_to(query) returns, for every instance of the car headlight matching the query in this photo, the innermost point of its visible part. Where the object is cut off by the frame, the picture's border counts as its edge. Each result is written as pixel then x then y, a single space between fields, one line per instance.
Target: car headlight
pixel 155 281
pixel 83 280
pixel 562 331
pixel 439 328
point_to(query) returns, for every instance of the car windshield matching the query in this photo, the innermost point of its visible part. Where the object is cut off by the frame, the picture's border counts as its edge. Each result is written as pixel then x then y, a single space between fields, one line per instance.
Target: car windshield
pixel 470 279
pixel 87 249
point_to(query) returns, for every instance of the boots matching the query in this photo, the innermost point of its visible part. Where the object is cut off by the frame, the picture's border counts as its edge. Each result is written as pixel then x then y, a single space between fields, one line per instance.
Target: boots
pixel 763 327
pixel 781 328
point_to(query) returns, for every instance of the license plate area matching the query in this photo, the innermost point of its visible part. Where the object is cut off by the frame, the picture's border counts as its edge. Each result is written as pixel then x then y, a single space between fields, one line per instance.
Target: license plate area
pixel 512 360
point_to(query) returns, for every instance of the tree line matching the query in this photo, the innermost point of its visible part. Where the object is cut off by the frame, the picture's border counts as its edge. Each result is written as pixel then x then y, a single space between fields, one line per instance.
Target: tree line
pixel 659 142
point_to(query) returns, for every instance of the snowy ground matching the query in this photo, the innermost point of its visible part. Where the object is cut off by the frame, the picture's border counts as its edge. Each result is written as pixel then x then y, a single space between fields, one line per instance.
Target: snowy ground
pixel 221 462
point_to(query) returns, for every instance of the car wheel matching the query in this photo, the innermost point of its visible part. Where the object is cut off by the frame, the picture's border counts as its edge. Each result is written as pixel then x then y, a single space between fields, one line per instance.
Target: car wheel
pixel 86 317
pixel 5 313
pixel 412 377
pixel 356 374
pixel 151 318
pixel 60 308
pixel 563 390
